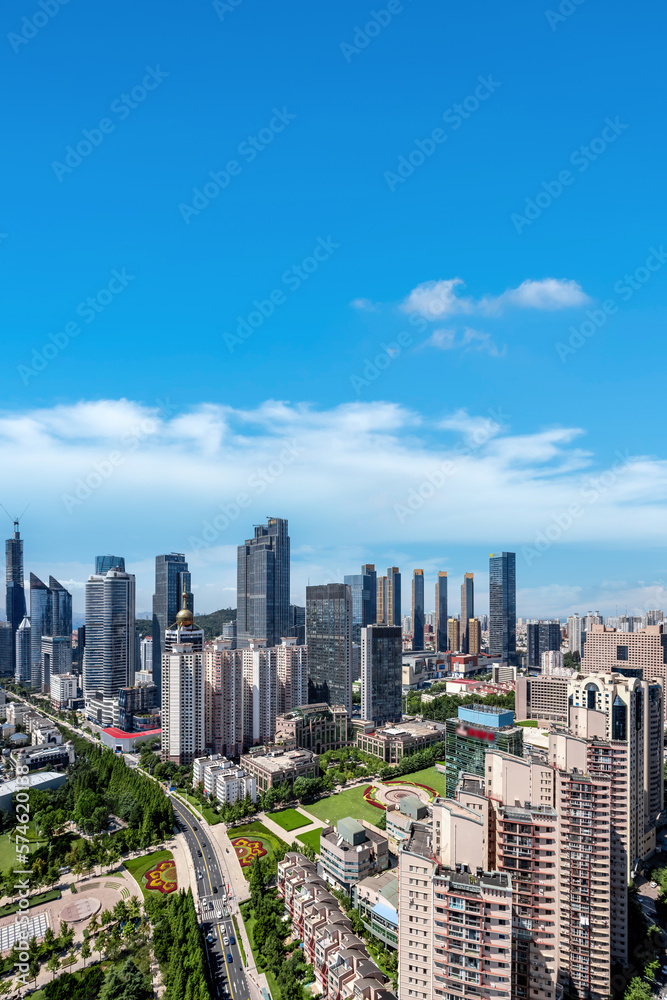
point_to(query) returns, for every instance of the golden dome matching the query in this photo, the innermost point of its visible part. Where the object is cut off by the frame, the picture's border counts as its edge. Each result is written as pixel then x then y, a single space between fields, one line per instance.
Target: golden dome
pixel 184 618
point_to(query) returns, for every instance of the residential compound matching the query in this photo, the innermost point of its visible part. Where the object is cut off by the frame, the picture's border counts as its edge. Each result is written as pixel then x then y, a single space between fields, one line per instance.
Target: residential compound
pixel 350 852
pixel 222 780
pixel 341 964
pixel 516 885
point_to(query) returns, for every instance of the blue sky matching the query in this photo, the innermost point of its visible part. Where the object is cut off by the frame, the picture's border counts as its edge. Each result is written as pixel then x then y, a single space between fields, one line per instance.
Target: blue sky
pixel 529 388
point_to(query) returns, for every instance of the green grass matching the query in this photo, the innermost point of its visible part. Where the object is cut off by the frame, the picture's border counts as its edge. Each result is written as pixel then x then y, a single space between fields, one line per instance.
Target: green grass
pixel 139 866
pixel 43 897
pixel 205 811
pixel 8 848
pixel 429 776
pixel 349 802
pixel 257 831
pixel 531 723
pixel 238 939
pixel 312 838
pixel 289 819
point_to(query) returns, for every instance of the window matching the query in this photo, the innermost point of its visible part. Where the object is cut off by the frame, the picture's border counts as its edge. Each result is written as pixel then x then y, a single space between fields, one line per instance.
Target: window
pixel 621 652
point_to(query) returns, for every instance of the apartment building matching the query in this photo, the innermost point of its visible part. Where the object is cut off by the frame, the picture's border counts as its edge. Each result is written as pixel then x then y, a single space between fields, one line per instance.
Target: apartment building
pixel 349 852
pixel 341 964
pixel 223 697
pixel 292 675
pixel 376 898
pixel 223 780
pixel 638 654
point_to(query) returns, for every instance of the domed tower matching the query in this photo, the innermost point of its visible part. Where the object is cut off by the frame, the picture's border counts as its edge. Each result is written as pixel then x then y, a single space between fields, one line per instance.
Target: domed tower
pixel 184 630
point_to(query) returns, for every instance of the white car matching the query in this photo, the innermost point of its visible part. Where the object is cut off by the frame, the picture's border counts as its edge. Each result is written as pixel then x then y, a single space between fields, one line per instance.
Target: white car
pixel 225 941
pixel 654 885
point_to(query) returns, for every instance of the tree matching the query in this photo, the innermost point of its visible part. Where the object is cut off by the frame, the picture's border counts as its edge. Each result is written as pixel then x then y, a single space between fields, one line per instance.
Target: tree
pixel 85 951
pixel 638 990
pixel 53 965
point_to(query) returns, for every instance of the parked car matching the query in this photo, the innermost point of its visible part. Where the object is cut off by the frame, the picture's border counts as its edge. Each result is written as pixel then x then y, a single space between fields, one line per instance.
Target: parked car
pixel 232 939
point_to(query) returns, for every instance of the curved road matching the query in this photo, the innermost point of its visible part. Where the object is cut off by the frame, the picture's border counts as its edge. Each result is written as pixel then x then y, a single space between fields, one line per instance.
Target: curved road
pixel 229 978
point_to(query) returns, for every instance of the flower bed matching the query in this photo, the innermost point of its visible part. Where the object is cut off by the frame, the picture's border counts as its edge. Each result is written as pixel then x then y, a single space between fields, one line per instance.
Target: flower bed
pixel 247 850
pixel 370 797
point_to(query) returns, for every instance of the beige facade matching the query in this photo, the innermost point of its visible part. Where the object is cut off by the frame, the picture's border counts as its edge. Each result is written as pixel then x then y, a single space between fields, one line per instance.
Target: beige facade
pixel 393 743
pixel 273 767
pixel 474 636
pixel 183 737
pixel 223 697
pixel 317 727
pixel 292 675
pixel 542 698
pixel 609 651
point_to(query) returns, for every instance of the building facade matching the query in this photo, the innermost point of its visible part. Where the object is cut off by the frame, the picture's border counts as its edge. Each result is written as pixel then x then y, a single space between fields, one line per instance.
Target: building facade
pixel 292 675
pixel 381 673
pixel 172 580
pixel 15 603
pixel 350 852
pixel 263 584
pixel 329 642
pixel 183 735
pixel 319 728
pixel 502 606
pixel 467 609
pixel 418 609
pixel 109 661
pixel 441 635
pixel 274 767
pixel 541 637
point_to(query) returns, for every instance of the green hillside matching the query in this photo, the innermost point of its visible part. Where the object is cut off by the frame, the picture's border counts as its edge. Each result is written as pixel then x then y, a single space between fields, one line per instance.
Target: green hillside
pixel 212 624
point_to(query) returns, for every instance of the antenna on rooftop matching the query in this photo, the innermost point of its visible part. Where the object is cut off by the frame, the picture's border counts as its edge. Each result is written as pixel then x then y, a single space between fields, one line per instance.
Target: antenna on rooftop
pixel 15 520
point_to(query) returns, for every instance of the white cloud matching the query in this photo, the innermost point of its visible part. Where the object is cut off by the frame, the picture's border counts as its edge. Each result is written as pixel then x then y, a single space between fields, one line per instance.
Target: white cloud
pixel 365 305
pixel 469 341
pixel 199 481
pixel 437 299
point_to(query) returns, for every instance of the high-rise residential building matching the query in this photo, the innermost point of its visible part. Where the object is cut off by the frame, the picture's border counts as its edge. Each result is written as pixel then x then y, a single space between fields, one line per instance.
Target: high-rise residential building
pixel 109 661
pixel 104 563
pixel 371 588
pixel 474 636
pixel 263 584
pixel 6 650
pixel 575 634
pixel 467 608
pixel 15 604
pixel 632 654
pixel 292 675
pixel 329 642
pixel 223 698
pixel 23 653
pixel 593 618
pixel 441 640
pixel 540 638
pixel 454 635
pixel 381 673
pixel 146 654
pixel 172 580
pixel 654 616
pixel 183 736
pixel 502 606
pixel 543 698
pixel 418 609
pixel 260 693
pixel 393 597
pixel 297 624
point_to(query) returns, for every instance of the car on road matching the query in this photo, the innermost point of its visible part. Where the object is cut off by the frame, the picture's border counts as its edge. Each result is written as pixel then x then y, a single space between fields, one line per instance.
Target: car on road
pixel 229 957
pixel 215 888
pixel 210 937
pixel 227 849
pixel 232 939
pixel 226 912
pixel 225 941
pixel 199 854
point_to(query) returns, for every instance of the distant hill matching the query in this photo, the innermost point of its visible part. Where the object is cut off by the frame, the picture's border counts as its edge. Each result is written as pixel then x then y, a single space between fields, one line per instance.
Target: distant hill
pixel 212 624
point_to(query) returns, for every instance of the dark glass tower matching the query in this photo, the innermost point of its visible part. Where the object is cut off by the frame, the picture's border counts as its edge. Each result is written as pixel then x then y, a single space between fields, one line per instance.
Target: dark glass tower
pixel 329 641
pixel 263 584
pixel 467 608
pixel 393 602
pixel 15 594
pixel 172 578
pixel 382 673
pixel 418 609
pixel 541 637
pixel 104 563
pixel 41 623
pixel 363 587
pixel 502 606
pixel 441 613
pixel 61 609
pixel 371 588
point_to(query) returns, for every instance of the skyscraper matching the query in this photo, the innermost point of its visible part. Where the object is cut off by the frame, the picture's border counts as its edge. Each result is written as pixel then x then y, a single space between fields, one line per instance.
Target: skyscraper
pixel 418 609
pixel 23 653
pixel 502 606
pixel 61 610
pixel 172 579
pixel 104 563
pixel 183 733
pixel 109 660
pixel 454 635
pixel 50 616
pixel 6 655
pixel 15 595
pixel 329 642
pixel 467 607
pixel 474 636
pixel 381 673
pixel 263 584
pixel 393 598
pixel 541 637
pixel 363 587
pixel 575 634
pixel 441 642
pixel 381 601
pixel 368 570
pixel 40 625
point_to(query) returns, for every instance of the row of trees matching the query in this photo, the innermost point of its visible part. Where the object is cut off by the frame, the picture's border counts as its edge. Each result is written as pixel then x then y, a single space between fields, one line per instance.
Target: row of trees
pixel 178 947
pixel 276 953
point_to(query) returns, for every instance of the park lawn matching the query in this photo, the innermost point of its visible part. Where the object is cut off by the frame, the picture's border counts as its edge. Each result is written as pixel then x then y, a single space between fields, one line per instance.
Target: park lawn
pixel 289 819
pixel 257 831
pixel 349 802
pixel 8 849
pixel 42 897
pixel 312 838
pixel 530 723
pixel 139 866
pixel 429 776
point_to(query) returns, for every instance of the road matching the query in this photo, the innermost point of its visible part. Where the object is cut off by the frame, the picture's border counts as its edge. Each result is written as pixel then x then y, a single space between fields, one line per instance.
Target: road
pixel 229 977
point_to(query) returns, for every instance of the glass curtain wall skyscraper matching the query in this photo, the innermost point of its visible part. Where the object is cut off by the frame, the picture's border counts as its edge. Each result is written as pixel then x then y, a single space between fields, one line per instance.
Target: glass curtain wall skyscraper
pixel 467 608
pixel 263 585
pixel 441 642
pixel 371 588
pixel 50 617
pixel 172 579
pixel 15 605
pixel 418 609
pixel 363 587
pixel 104 563
pixel 502 606
pixel 393 599
pixel 109 659
pixel 382 673
pixel 329 642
